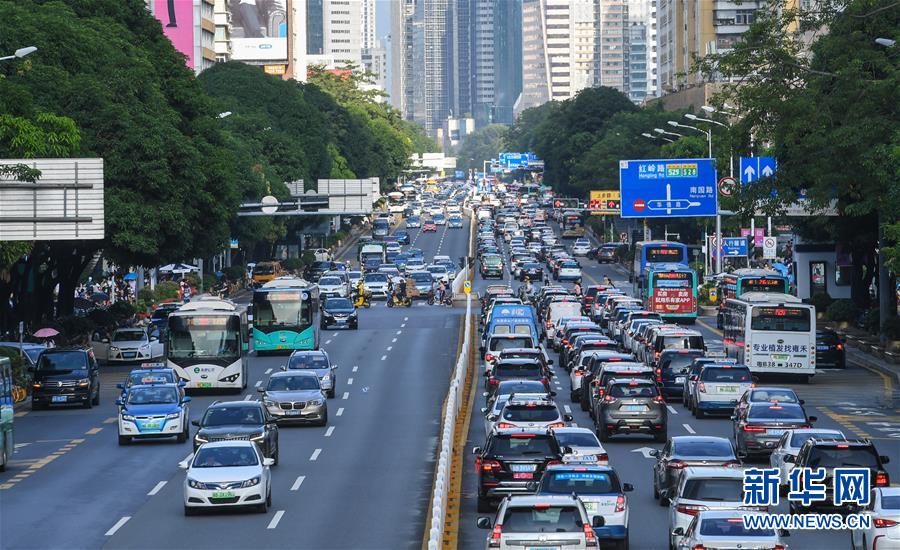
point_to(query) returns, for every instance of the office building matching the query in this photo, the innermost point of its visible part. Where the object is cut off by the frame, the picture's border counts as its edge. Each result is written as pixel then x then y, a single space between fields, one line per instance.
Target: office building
pixel 637 62
pixel 222 39
pixel 614 49
pixel 483 69
pixel 191 27
pixel 507 59
pixel 643 13
pixel 342 30
pixel 315 26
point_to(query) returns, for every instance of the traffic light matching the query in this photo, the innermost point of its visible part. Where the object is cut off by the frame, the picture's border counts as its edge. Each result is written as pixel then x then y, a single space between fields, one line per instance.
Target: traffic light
pixel 613 205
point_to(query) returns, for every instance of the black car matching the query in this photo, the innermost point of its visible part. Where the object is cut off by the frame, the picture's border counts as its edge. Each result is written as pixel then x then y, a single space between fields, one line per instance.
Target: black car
pixel 684 451
pixel 65 376
pixel 607 254
pixel 315 270
pixel 672 369
pixel 532 271
pixel 238 420
pixel 830 350
pixel 339 312
pixel 758 427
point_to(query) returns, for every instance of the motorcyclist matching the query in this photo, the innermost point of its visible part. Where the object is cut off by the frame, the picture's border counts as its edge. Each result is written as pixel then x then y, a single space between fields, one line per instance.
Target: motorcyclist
pixel 528 287
pixel 441 289
pixel 401 290
pixel 360 291
pixel 607 281
pixel 577 288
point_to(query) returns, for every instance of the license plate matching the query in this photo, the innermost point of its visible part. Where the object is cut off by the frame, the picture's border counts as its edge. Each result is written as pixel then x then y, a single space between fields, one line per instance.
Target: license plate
pixel 543 548
pixel 293 413
pixel 151 425
pixel 634 408
pixel 775 432
pixel 58 399
pixel 523 475
pixel 728 389
pixel 204 384
pixel 823 348
pixel 679 379
pixel 223 494
pixel 129 355
pixel 523 467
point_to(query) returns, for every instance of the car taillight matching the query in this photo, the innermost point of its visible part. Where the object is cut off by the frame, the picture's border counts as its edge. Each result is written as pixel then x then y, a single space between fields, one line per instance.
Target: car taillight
pixel 489 357
pixel 881 523
pixel 603 458
pixel 690 509
pixel 701 387
pixel 589 536
pixel 495 536
pixel 659 399
pixel 565 342
pixel 490 466
pixel 552 463
pixel 505 425
pixel 677 465
pixel 882 479
pixel 548 324
pixel 609 399
pixel 701 547
pixel 620 503
pixel 493 381
pixel 839 347
pixel 780 547
pixel 731 464
pixel 753 429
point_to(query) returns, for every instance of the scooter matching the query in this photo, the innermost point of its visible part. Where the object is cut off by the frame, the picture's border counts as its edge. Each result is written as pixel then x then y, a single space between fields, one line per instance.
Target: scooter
pixel 363 300
pixel 446 301
pixel 395 300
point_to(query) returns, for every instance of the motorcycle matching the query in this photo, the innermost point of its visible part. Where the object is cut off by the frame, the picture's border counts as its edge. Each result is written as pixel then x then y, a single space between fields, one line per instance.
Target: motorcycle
pixel 446 301
pixel 363 300
pixel 395 300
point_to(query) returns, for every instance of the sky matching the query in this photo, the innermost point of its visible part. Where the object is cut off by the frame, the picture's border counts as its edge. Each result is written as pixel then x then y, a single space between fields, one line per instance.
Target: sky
pixel 382 30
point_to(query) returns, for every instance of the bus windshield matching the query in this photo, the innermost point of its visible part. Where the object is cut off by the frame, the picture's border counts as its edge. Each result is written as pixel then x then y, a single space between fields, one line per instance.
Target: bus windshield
pixel 204 336
pixel 783 319
pixel 280 309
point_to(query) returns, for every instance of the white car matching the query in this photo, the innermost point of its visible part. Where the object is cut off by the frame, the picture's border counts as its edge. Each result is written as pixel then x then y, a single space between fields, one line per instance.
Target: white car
pixel 583 444
pixel 581 247
pixel 322 255
pixel 884 511
pixel 725 529
pixel 376 284
pixel 704 488
pixel 439 272
pixel 331 286
pixel 227 474
pixel 789 445
pixel 568 271
pixel 128 345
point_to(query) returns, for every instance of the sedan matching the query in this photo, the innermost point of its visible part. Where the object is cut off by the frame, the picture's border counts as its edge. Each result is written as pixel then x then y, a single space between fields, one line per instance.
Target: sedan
pixel 789 445
pixel 884 513
pixel 332 286
pixel 413 222
pixel 455 222
pixel 429 227
pixel 725 529
pixel 295 397
pixel 521 412
pixel 683 451
pixel 226 474
pixel 830 350
pixel 758 428
pixel 581 445
pixel 339 312
pixel 581 247
pixel 128 345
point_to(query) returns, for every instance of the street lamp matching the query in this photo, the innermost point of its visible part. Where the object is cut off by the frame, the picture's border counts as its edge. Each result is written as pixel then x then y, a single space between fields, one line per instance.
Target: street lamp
pixel 20 53
pixel 660 131
pixel 651 136
pixel 695 118
pixel 706 133
pixel 224 114
pixel 886 42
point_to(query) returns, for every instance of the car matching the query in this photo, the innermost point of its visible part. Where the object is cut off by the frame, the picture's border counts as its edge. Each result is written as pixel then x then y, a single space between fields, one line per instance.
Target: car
pixel 339 312
pixel 355 277
pixel 330 286
pixel 631 406
pixel 295 397
pixel 607 254
pixel 65 376
pixel 439 272
pixel 693 374
pixel 684 451
pixel 884 514
pixel 153 411
pixel 705 489
pixel 147 375
pixel 424 283
pixel 718 387
pixel 315 270
pixel 516 385
pixel 510 461
pixel 429 226
pixel 726 529
pixel 319 362
pixel 789 445
pixel 455 222
pixel 568 270
pixel 491 266
pixel 227 474
pixel 581 247
pixel 376 284
pixel 402 236
pixel 413 222
pixel 767 394
pixel 531 271
pixel 830 350
pixel 580 445
pixel 160 316
pixel 838 453
pixel 668 337
pixel 531 412
pixel 128 345
pixel 238 420
pixel 604 366
pixel 510 369
pixel 523 519
pixel 322 255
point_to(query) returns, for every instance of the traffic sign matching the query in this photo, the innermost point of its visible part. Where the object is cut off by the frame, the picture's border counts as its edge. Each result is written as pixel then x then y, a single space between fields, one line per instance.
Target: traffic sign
pixel 605 202
pixel 731 246
pixel 754 168
pixel 727 186
pixel 770 247
pixel 467 286
pixel 668 188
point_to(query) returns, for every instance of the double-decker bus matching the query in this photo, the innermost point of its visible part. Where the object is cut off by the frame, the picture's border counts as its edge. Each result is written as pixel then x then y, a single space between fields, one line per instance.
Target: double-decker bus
pixel 207 344
pixel 772 333
pixel 739 281
pixel 284 316
pixel 671 291
pixel 6 412
pixel 656 252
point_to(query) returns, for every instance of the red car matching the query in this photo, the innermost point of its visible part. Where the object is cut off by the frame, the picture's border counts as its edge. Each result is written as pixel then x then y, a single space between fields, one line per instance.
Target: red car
pixel 429 226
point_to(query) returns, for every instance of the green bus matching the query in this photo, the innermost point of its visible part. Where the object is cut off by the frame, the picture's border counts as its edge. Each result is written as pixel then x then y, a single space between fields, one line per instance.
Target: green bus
pixel 6 412
pixel 671 291
pixel 285 316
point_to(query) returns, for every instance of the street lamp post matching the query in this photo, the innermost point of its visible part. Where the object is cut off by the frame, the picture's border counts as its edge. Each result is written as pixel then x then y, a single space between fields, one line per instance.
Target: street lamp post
pixel 20 53
pixel 651 136
pixel 662 132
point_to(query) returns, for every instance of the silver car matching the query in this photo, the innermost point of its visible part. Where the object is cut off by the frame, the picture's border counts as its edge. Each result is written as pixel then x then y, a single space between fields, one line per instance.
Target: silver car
pixel 725 529
pixel 316 361
pixel 583 444
pixel 331 286
pixel 547 521
pixel 526 412
pixel 295 396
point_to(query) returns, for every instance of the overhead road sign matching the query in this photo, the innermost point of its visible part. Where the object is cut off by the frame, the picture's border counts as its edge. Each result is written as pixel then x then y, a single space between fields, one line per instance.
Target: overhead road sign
pixel 755 168
pixel 668 188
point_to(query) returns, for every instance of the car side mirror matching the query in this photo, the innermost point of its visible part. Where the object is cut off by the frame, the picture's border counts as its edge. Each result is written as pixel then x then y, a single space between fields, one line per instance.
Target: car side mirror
pixel 678 531
pixel 483 410
pixel 552 394
pixel 734 418
pixel 483 523
pixel 105 340
pixel 813 418
pixel 261 390
pixel 568 417
pixel 802 401
pixel 485 394
pixel 790 459
pixel 476 450
pixel 268 461
pixel 183 464
pixel 627 487
pixel 568 450
pixel 654 453
pixel 598 521
pixel 549 361
pixel 885 459
pixel 531 486
pixel 195 423
pixel 742 455
pixel 154 339
pixel 186 399
pixel 283 367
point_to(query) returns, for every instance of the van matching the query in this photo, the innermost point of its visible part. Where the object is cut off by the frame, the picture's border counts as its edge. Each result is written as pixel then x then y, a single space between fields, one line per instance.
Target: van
pixel 664 337
pixel 512 319
pixel 558 310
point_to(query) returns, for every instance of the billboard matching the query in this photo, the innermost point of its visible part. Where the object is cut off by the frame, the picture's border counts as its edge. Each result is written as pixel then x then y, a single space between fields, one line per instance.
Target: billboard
pixel 259 30
pixel 177 18
pixel 668 188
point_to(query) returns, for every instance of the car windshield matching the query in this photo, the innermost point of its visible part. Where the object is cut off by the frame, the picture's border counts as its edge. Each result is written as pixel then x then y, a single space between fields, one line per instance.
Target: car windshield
pixel 774 394
pixel 521 386
pixel 152 396
pixel 725 375
pixel 500 344
pixel 293 383
pixel 338 303
pixel 799 438
pixel 422 277
pixel 437 269
pixel 225 457
pixel 827 456
pixel 329 281
pixel 577 439
pixel 161 313
pixel 542 519
pixel 308 361
pixel 677 361
pixel 226 416
pixel 129 336
pixel 376 278
pixel 703 448
pixel 731 527
pixel 62 361
pixel 637 390
pixel 522 370
pixel 531 413
pixel 682 342
pixel 764 411
pixel 199 335
pixel 721 489
pixel 521 445
pixel 581 483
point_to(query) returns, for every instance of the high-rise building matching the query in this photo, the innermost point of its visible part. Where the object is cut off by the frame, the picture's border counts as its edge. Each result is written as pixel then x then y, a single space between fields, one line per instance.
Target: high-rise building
pixel 375 62
pixel 583 41
pixel 637 62
pixel 315 26
pixel 507 59
pixel 222 19
pixel 191 27
pixel 462 57
pixel 483 60
pixel 643 12
pixel 614 50
pixel 368 38
pixel 342 23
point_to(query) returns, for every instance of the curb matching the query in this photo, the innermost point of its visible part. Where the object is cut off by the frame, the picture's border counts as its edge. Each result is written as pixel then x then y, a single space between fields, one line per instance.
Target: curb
pixel 861 359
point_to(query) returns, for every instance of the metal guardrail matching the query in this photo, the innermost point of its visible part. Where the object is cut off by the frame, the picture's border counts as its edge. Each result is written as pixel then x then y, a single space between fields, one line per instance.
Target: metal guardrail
pixel 464 274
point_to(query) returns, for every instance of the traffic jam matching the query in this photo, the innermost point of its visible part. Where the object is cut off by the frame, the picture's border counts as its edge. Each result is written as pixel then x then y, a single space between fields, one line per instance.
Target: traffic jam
pixel 586 383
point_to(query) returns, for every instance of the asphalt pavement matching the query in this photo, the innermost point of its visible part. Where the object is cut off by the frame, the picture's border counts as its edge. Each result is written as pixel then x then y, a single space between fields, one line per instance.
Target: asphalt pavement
pixel 363 481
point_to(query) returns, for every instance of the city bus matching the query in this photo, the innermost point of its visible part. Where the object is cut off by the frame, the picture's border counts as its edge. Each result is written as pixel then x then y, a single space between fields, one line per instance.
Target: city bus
pixel 285 316
pixel 772 333
pixel 6 412
pixel 207 344
pixel 739 281
pixel 656 252
pixel 671 291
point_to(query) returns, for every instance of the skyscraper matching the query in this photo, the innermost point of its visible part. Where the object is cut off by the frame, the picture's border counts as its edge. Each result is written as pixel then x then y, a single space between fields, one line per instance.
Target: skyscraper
pixel 614 49
pixel 483 62
pixel 507 59
pixel 637 62
pixel 342 24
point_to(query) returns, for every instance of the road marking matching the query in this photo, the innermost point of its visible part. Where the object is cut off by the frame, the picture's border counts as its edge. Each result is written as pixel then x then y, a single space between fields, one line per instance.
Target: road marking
pixel 258 383
pixel 346 395
pixel 157 488
pixel 399 332
pixel 297 483
pixel 93 431
pixel 568 409
pixel 406 318
pixel 275 519
pixel 394 341
pixel 117 526
pixel 329 431
pixel 268 371
pixel 389 348
pixel 355 368
pixel 327 342
pixel 20 414
pixel 671 409
pixel 110 420
pixel 402 325
pixel 350 381
pixel 188 457
pixel 340 411
pixel 248 397
pixel 315 455
pixel 689 429
pixel 384 357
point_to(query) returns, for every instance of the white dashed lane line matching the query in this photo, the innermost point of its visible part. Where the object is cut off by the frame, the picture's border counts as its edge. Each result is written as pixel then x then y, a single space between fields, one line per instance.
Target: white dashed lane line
pixel 157 488
pixel 394 341
pixel 275 519
pixel 568 409
pixel 258 383
pixel 689 429
pixel 122 521
pixel 671 409
pixel 329 431
pixel 268 371
pixel 399 332
pixel 315 456
pixel 349 381
pixel 340 412
pixel 355 368
pixel 327 342
pixel 389 348
pixel 384 357
pixel 248 397
pixel 297 483
pixel 346 395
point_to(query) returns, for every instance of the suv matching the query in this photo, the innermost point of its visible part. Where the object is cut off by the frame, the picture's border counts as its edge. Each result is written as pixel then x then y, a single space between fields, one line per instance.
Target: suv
pixel 666 337
pixel 533 411
pixel 605 367
pixel 318 362
pixel 511 460
pixel 238 420
pixel 535 521
pixel 491 266
pixel 719 387
pixel 839 453
pixel 672 370
pixel 65 376
pixel 631 406
pixel 701 489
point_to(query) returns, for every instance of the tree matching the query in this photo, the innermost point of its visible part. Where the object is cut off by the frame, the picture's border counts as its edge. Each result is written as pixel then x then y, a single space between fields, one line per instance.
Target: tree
pixel 482 145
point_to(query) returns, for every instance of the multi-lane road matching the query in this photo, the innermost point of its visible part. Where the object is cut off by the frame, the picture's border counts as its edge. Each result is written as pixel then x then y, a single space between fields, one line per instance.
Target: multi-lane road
pixel 363 481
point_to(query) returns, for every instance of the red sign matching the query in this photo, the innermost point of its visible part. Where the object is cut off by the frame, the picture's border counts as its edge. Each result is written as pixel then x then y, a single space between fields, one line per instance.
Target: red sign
pixel 672 300
pixel 639 205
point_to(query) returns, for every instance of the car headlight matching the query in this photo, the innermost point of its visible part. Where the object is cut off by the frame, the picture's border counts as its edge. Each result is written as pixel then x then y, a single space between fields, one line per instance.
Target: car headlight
pixel 84 382
pixel 326 378
pixel 252 482
pixel 328 314
pixel 257 437
pixel 127 417
pixel 145 346
pixel 172 416
pixel 194 484
pixel 268 403
pixel 315 403
pixel 113 348
pixel 200 439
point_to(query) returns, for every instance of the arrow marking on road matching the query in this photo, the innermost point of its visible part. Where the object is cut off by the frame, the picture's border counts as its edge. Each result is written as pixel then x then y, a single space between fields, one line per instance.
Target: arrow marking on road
pixel 644 451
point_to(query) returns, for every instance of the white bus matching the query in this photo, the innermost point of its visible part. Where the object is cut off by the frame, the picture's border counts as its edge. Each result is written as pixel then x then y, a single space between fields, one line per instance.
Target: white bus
pixel 207 344
pixel 772 333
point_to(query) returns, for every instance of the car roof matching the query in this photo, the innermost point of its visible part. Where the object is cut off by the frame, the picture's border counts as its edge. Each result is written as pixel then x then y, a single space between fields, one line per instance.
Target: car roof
pixel 715 514
pixel 532 500
pixel 293 372
pixel 303 352
pixel 699 439
pixel 712 471
pixel 153 386
pixel 228 443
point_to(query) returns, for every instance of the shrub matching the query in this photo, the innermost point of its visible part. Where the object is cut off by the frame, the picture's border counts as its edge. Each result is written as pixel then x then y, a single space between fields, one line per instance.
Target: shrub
pixel 147 294
pixel 308 257
pixel 209 281
pixel 101 318
pixel 235 272
pixel 20 376
pixel 842 311
pixel 891 328
pixel 703 292
pixel 74 330
pixel 292 264
pixel 821 301
pixel 167 290
pixel 122 310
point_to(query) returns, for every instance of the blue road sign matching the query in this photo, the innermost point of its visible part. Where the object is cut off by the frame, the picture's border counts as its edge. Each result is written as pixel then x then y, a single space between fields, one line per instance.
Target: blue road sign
pixel 734 246
pixel 754 168
pixel 668 188
pixel 460 175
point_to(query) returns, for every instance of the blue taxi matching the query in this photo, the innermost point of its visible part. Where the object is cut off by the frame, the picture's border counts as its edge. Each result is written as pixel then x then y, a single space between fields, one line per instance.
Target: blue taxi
pixel 148 411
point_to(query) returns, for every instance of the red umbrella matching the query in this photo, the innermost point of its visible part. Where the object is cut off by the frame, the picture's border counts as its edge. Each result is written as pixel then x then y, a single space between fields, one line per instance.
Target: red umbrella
pixel 46 333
